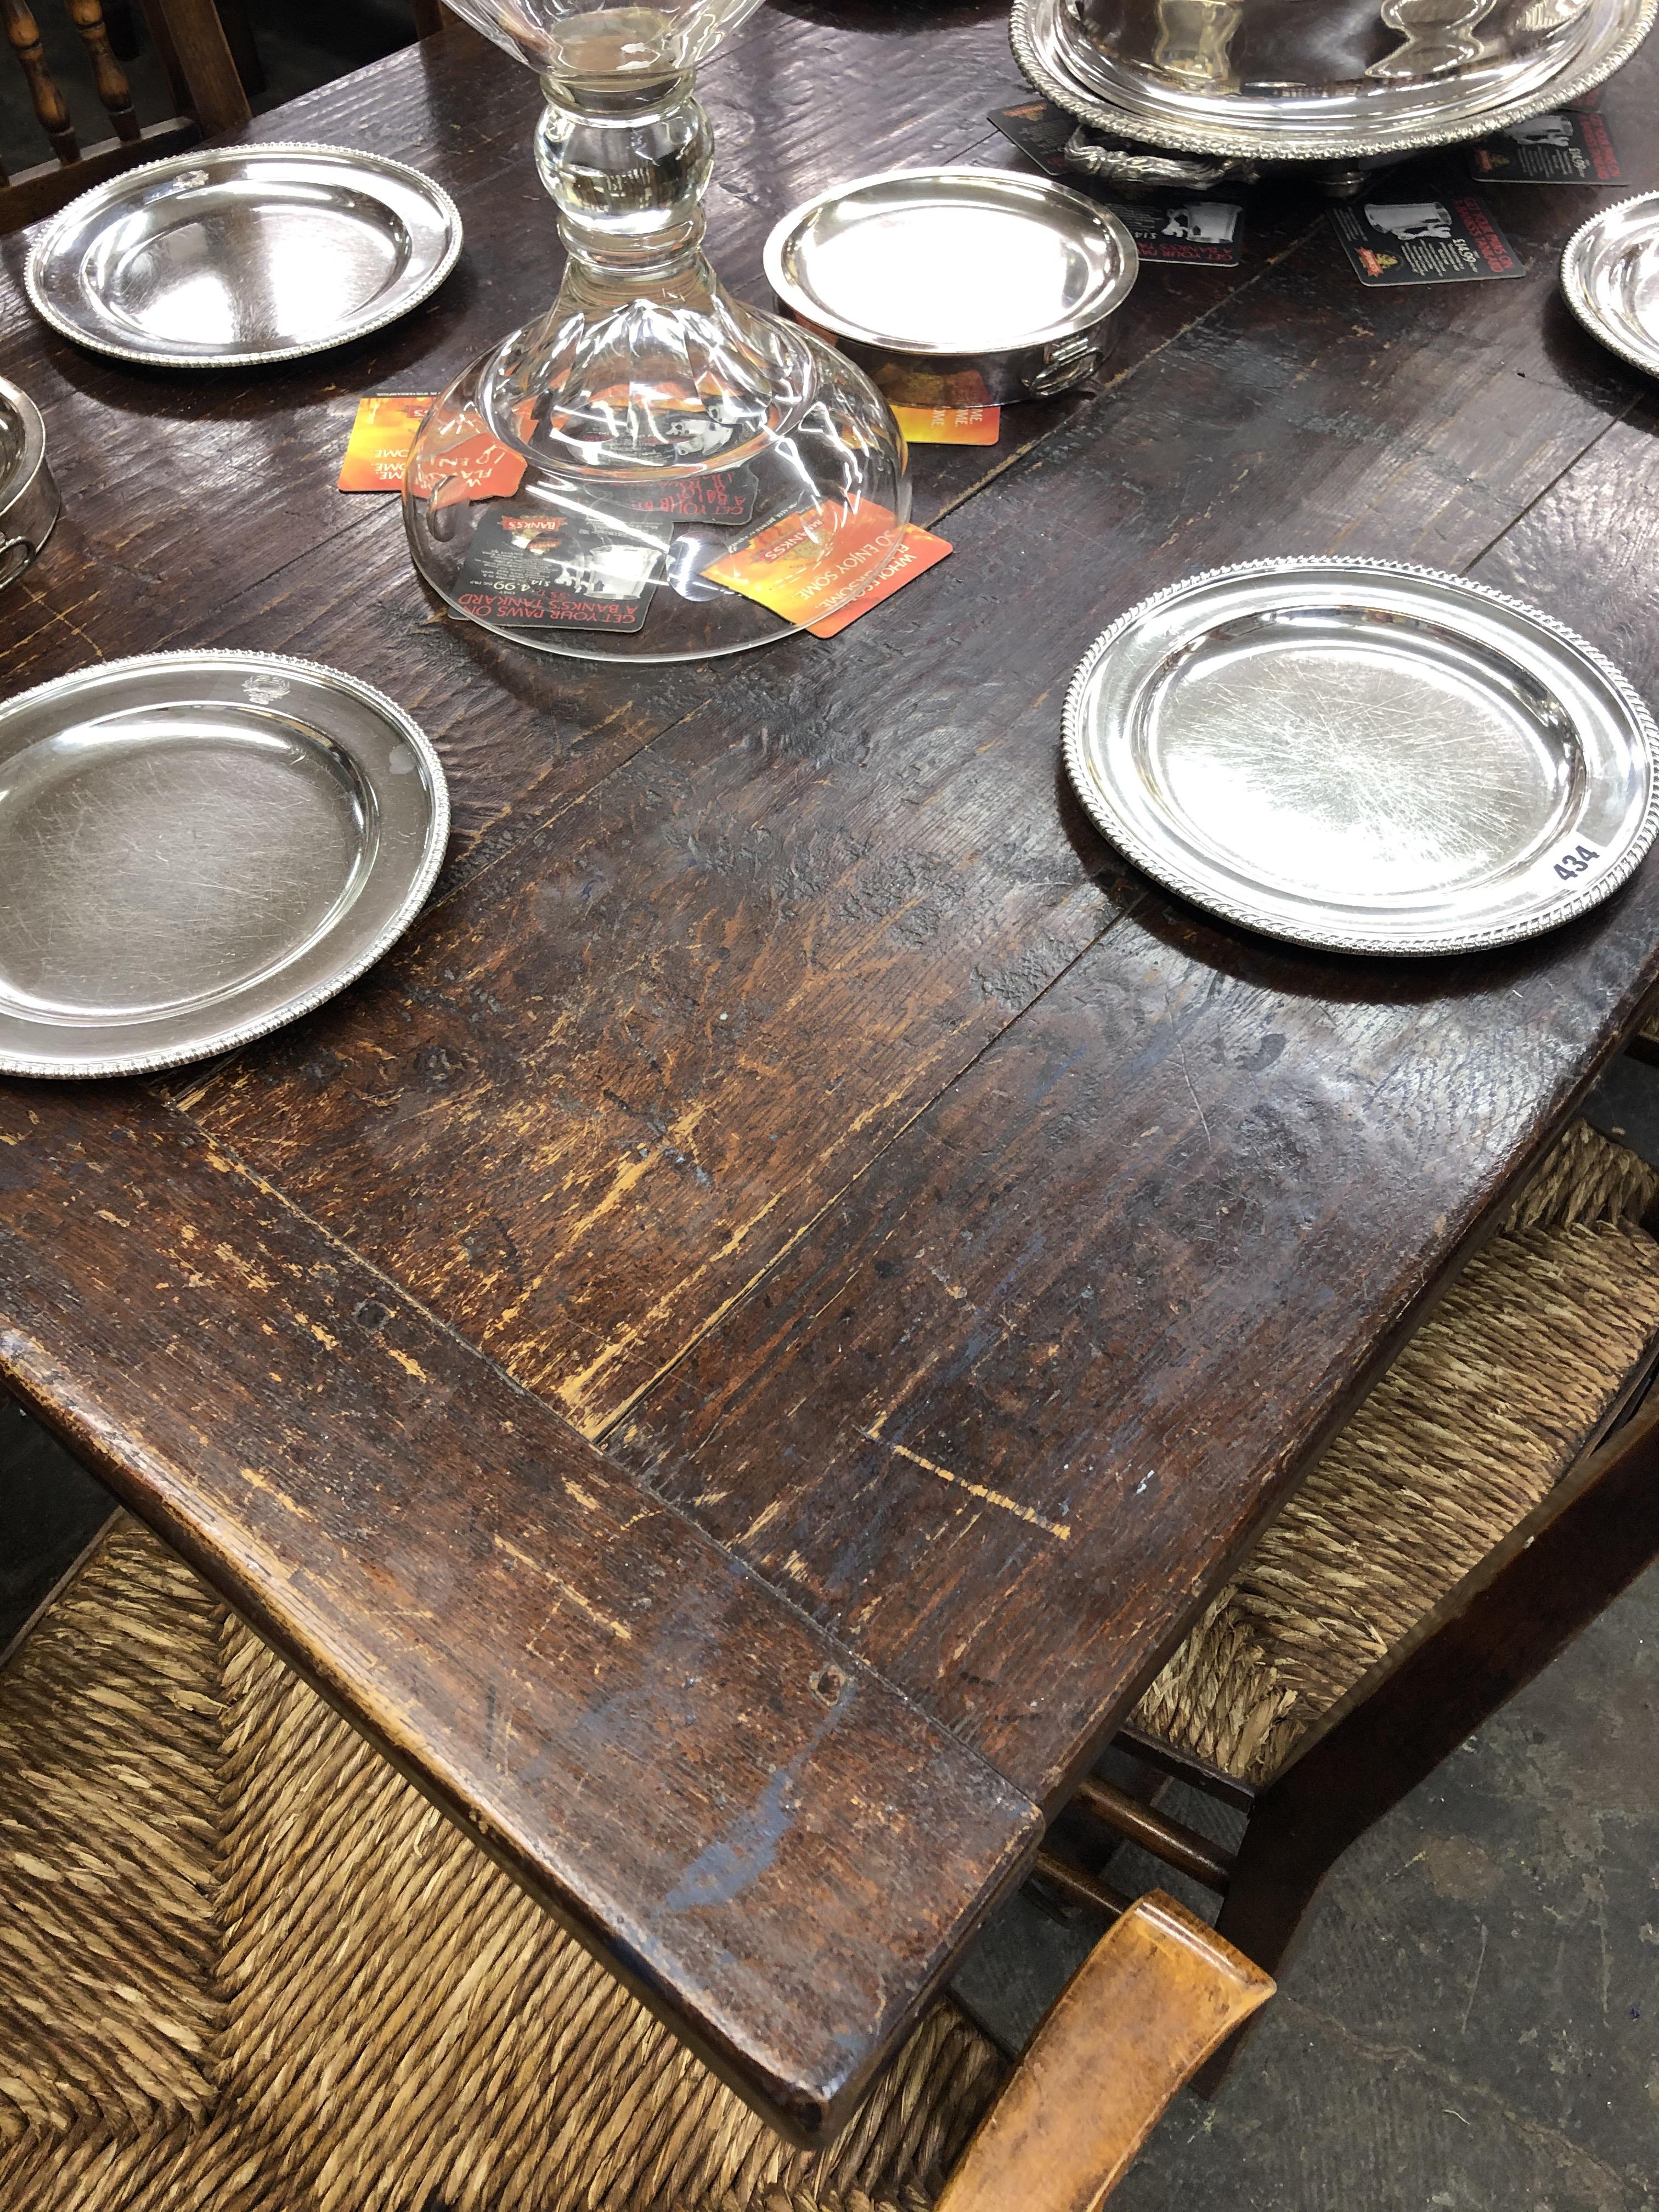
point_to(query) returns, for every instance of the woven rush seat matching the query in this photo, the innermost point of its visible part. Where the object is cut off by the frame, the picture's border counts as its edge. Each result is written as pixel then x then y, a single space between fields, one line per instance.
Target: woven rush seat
pixel 245 1967
pixel 1487 1407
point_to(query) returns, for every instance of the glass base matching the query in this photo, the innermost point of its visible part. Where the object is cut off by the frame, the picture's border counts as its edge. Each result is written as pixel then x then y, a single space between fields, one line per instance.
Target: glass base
pixel 636 557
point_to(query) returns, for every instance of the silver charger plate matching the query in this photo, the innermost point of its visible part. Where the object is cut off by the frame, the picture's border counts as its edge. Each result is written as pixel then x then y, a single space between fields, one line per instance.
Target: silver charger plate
pixel 1363 755
pixel 1610 275
pixel 232 255
pixel 196 847
pixel 1262 124
pixel 954 261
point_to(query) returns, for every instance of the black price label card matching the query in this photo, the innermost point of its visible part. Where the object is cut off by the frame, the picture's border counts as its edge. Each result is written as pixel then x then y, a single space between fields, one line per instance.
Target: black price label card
pixel 1040 129
pixel 1548 150
pixel 551 570
pixel 1205 231
pixel 1448 241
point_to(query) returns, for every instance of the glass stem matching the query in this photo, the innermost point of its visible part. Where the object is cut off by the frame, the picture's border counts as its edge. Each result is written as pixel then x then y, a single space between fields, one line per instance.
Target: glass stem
pixel 644 361
pixel 626 164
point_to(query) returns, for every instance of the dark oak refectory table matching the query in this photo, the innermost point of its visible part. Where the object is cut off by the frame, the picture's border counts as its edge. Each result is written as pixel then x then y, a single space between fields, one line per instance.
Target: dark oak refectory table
pixel 738 1350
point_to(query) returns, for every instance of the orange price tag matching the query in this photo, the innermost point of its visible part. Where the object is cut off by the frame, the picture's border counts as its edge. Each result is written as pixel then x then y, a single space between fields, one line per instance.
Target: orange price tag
pixel 473 465
pixel 804 564
pixel 478 467
pixel 921 550
pixel 377 452
pixel 950 426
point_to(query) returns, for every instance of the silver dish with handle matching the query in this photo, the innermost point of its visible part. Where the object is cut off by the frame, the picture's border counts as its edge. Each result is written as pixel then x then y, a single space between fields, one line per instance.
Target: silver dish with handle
pixel 29 504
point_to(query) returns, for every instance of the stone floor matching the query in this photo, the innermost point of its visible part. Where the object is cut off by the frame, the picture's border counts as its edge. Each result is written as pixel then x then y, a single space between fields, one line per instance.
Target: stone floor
pixel 1472 2022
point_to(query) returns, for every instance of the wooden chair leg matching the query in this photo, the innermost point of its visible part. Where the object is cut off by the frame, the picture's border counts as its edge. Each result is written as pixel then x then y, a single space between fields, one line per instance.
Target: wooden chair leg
pixel 1277 1877
pixel 428 18
pixel 1147 2006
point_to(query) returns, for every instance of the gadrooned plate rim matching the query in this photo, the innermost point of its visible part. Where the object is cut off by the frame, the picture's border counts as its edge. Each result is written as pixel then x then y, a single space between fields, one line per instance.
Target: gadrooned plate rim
pixel 197 157
pixel 216 1041
pixel 1225 139
pixel 1100 218
pixel 1577 291
pixel 1270 920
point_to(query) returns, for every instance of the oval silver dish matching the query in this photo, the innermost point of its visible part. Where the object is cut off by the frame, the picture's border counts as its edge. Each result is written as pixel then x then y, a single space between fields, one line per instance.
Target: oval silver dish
pixel 956 286
pixel 1368 122
pixel 1610 275
pixel 232 255
pixel 1363 755
pixel 196 847
pixel 29 504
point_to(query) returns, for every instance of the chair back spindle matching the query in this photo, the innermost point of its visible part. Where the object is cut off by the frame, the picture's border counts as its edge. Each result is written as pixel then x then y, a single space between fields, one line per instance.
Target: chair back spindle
pixel 108 77
pixel 50 109
pixel 197 56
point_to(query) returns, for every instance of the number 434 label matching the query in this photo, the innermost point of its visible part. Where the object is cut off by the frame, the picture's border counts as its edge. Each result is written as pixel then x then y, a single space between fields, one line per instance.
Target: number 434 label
pixel 1576 862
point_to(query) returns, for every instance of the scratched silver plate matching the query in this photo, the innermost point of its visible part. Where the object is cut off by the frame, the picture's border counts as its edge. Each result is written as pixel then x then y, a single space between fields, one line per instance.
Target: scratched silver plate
pixel 196 847
pixel 1610 274
pixel 228 256
pixel 1365 756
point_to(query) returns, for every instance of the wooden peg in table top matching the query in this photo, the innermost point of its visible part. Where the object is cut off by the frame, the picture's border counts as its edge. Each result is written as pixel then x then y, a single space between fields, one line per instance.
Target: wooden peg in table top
pixel 1156 1995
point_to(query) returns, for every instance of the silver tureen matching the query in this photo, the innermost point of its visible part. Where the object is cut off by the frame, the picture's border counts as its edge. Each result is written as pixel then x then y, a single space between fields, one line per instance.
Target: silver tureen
pixel 1350 84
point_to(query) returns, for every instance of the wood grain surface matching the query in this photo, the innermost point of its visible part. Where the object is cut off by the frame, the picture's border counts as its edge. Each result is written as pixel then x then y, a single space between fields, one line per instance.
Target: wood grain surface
pixel 787 1102
pixel 512 1619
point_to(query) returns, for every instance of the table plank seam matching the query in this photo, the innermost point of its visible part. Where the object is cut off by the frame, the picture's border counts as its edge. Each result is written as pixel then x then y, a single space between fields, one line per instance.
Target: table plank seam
pixel 631 1405
pixel 1612 424
pixel 215 1146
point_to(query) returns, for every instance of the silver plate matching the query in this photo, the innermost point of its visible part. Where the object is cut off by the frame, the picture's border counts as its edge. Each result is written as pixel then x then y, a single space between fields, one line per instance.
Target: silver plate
pixel 1610 274
pixel 957 262
pixel 196 847
pixel 1365 756
pixel 1366 127
pixel 229 255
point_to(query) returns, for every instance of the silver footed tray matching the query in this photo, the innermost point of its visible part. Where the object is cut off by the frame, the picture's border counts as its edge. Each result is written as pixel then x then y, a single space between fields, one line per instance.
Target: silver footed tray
pixel 1437 76
pixel 197 847
pixel 231 256
pixel 1610 274
pixel 956 284
pixel 1363 755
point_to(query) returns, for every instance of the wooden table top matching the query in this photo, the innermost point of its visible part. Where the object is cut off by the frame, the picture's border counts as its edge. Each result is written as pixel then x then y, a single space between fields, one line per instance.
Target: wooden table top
pixel 739 1349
